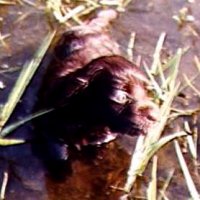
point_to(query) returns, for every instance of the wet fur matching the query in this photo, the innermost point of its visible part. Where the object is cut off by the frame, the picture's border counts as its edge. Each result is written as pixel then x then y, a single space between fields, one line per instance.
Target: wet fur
pixel 95 93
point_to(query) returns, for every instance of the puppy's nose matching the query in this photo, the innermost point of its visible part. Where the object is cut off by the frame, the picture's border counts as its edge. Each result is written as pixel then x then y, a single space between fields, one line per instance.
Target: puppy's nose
pixel 149 109
pixel 154 112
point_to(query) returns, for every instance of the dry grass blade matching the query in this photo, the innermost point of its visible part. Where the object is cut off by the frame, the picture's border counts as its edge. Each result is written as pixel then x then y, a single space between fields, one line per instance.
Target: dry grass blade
pixel 152 189
pixel 10 142
pixel 152 148
pixel 74 17
pixel 166 184
pixel 172 64
pixel 192 79
pixel 164 196
pixel 190 184
pixel 4 2
pixel 63 11
pixel 180 112
pixel 138 60
pixel 141 158
pixel 2 40
pixel 197 63
pixel 87 11
pixel 8 129
pixel 155 133
pixel 156 56
pixel 30 3
pixel 175 62
pixel 190 141
pixel 126 2
pixel 4 185
pixel 24 78
pixel 9 70
pixel 154 83
pixel 191 85
pixel 195 139
pixel 191 146
pixel 111 2
pixel 92 2
pixel 137 154
pixel 72 13
pixel 131 46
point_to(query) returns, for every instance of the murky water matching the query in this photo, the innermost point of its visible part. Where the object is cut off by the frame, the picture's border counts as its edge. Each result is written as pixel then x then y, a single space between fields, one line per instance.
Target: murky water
pixel 93 176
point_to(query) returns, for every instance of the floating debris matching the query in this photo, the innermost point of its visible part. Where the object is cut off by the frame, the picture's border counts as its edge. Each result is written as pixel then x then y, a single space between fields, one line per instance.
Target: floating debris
pixel 4 66
pixel 2 85
pixel 183 17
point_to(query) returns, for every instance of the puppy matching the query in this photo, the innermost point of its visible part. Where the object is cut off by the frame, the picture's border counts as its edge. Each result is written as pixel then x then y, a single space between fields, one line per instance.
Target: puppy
pixel 96 94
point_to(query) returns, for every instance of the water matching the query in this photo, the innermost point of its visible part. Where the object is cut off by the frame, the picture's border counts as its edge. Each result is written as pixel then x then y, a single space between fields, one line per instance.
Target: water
pixel 92 176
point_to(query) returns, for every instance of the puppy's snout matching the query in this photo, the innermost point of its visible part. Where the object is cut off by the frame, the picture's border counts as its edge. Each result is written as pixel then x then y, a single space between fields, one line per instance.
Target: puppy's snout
pixel 154 113
pixel 150 110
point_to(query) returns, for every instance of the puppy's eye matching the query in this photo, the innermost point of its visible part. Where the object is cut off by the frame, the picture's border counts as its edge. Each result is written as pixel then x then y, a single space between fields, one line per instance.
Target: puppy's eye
pixel 120 97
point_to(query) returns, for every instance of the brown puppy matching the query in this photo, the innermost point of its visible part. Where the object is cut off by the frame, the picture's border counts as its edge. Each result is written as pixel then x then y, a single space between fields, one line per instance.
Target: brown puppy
pixel 96 93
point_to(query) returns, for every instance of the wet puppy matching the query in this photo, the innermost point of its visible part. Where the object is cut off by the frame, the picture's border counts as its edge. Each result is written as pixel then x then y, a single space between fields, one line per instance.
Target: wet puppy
pixel 96 94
